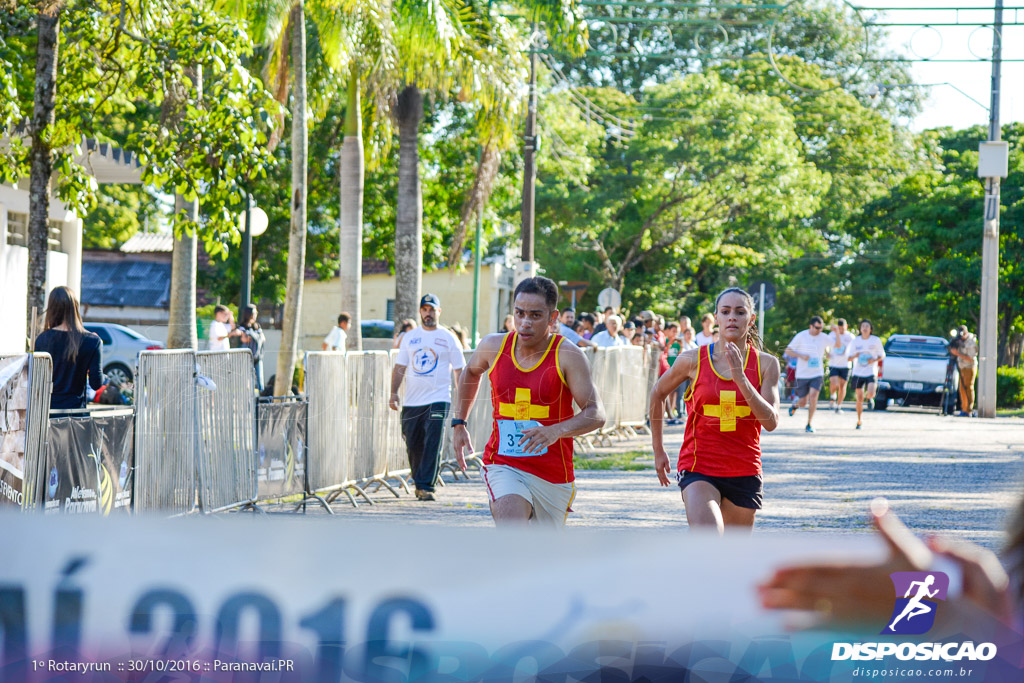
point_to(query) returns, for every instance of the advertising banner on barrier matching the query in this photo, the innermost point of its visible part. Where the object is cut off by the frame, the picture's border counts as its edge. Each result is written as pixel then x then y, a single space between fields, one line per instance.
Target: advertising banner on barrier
pixel 247 598
pixel 282 448
pixel 89 465
pixel 13 427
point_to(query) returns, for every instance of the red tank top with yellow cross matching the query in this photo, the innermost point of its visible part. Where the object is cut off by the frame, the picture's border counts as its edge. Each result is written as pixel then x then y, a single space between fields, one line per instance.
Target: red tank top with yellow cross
pixel 523 397
pixel 723 438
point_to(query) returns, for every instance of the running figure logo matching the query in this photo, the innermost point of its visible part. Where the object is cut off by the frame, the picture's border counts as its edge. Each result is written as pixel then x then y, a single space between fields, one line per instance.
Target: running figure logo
pixel 914 613
pixel 424 361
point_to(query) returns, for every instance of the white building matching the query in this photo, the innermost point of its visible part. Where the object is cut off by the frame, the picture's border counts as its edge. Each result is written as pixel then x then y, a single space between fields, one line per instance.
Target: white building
pixel 108 164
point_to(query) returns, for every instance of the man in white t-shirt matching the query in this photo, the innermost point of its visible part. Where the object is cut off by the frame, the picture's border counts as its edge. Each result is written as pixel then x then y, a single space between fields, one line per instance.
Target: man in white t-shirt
pixel 427 355
pixel 808 347
pixel 838 364
pixel 220 329
pixel 337 338
pixel 865 351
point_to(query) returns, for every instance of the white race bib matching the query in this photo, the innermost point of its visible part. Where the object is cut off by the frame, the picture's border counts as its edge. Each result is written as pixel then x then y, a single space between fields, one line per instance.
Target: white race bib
pixel 510 433
pixel 814 362
pixel 864 358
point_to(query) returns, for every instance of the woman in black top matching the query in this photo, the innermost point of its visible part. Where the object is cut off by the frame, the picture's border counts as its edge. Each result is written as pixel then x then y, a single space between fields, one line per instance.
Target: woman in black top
pixel 252 339
pixel 75 352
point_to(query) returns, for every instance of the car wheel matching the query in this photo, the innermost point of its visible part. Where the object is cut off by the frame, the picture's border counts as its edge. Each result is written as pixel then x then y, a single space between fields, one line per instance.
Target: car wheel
pixel 118 372
pixel 881 400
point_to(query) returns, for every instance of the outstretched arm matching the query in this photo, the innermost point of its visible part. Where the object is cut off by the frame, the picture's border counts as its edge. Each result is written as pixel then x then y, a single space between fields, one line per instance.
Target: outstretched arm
pixel 468 386
pixel 680 371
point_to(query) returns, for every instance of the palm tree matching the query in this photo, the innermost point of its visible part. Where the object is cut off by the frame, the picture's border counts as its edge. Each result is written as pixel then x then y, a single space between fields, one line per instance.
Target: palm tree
pixel 370 68
pixel 457 43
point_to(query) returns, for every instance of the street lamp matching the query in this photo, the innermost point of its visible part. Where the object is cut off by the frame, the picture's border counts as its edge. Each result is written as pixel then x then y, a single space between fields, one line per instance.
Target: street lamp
pixel 252 223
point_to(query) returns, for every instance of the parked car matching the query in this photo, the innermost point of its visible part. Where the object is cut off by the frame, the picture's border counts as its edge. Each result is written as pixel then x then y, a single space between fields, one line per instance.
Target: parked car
pixel 377 329
pixel 121 346
pixel 917 370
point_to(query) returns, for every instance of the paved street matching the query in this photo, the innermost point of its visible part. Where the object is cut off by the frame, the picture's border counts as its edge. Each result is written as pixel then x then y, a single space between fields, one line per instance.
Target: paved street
pixel 955 475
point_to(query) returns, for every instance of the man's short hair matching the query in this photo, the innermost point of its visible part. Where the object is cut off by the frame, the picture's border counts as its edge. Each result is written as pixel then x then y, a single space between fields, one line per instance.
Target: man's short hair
pixel 613 319
pixel 608 309
pixel 672 326
pixel 344 318
pixel 568 309
pixel 221 308
pixel 841 321
pixel 539 285
pixel 587 318
pixel 816 320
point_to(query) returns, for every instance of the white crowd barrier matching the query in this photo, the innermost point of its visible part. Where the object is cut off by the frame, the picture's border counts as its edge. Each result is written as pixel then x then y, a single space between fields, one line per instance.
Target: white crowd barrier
pixel 165 430
pixel 26 381
pixel 226 415
pixel 196 437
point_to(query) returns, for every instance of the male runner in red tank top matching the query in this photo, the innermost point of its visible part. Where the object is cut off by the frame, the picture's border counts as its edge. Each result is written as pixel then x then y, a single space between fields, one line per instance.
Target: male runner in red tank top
pixel 536 376
pixel 733 393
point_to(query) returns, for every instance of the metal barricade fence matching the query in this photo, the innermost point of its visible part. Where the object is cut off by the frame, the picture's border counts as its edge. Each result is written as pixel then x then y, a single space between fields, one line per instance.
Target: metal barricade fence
pixel 282 439
pixel 24 421
pixel 604 367
pixel 165 431
pixel 327 385
pixel 226 430
pixel 633 383
pixel 396 464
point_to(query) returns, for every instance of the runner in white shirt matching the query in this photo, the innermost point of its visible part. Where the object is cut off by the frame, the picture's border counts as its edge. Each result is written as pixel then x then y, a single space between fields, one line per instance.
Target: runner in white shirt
pixel 809 347
pixel 838 364
pixel 433 353
pixel 865 351
pixel 337 338
pixel 705 336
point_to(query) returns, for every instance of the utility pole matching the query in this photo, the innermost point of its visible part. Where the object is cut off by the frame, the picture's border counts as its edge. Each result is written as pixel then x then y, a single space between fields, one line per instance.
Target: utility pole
pixel 988 329
pixel 530 157
pixel 246 257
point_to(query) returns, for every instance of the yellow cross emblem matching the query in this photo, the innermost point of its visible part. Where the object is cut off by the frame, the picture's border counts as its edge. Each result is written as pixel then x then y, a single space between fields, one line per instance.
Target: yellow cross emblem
pixel 727 411
pixel 522 409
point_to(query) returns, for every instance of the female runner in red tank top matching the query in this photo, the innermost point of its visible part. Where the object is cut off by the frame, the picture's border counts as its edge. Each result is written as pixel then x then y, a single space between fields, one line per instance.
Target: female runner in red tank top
pixel 733 394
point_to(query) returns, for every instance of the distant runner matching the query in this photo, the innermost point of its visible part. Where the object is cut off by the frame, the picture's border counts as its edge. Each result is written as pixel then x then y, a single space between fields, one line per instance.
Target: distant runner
pixel 865 351
pixel 535 378
pixel 808 347
pixel 734 393
pixel 838 364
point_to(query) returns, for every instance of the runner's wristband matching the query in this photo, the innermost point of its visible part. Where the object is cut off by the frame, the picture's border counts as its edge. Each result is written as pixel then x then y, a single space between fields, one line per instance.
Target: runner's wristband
pixel 456 422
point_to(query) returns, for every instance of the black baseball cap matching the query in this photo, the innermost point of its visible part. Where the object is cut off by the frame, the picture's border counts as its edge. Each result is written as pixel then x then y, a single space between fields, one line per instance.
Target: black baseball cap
pixel 430 300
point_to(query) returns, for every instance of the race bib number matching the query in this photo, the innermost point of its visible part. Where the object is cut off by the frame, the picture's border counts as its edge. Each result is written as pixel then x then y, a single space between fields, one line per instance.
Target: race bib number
pixel 839 350
pixel 864 358
pixel 814 362
pixel 510 433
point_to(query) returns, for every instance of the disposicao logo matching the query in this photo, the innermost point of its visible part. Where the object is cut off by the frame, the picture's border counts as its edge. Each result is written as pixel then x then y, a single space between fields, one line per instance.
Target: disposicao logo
pixel 917 594
pixel 917 600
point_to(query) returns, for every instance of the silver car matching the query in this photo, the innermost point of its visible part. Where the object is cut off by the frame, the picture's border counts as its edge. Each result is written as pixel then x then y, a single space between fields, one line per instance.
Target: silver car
pixel 121 346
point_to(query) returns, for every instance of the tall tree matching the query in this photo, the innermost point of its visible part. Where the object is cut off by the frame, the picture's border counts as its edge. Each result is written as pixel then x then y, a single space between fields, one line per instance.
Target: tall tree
pixel 40 155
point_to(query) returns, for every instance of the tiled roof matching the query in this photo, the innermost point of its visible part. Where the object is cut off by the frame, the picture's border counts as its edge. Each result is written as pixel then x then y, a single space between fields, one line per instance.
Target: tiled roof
pixel 149 242
pixel 126 282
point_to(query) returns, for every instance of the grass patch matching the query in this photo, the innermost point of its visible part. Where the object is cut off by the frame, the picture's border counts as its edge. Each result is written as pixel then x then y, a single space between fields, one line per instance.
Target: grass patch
pixel 619 461
pixel 1010 412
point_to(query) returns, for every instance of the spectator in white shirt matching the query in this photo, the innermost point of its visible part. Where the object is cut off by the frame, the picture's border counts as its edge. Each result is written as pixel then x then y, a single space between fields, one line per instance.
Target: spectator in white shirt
pixel 610 335
pixel 337 338
pixel 706 335
pixel 220 329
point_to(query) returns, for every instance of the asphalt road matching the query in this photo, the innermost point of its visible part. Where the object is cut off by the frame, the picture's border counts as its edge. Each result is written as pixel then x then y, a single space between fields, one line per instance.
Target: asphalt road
pixel 956 476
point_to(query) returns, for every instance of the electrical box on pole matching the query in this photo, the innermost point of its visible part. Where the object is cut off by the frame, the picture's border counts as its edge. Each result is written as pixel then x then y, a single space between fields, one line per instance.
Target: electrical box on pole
pixel 993 159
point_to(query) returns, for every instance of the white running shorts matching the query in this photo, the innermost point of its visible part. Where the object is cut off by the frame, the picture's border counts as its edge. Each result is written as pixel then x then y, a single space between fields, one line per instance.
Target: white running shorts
pixel 550 501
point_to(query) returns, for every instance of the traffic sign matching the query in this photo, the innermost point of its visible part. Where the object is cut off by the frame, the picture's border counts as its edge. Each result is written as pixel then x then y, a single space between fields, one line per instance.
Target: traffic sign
pixel 609 297
pixel 769 293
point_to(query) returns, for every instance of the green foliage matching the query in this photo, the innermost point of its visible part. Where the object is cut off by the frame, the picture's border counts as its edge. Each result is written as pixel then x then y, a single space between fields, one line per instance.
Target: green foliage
pixel 1010 387
pixel 120 211
pixel 127 73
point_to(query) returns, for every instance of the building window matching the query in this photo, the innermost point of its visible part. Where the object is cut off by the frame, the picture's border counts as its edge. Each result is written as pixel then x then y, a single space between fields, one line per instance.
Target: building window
pixel 17 230
pixel 390 315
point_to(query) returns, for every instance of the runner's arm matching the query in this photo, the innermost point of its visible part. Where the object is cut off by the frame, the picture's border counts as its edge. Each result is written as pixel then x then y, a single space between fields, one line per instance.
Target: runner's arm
pixel 678 373
pixel 466 391
pixel 764 404
pixel 576 371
